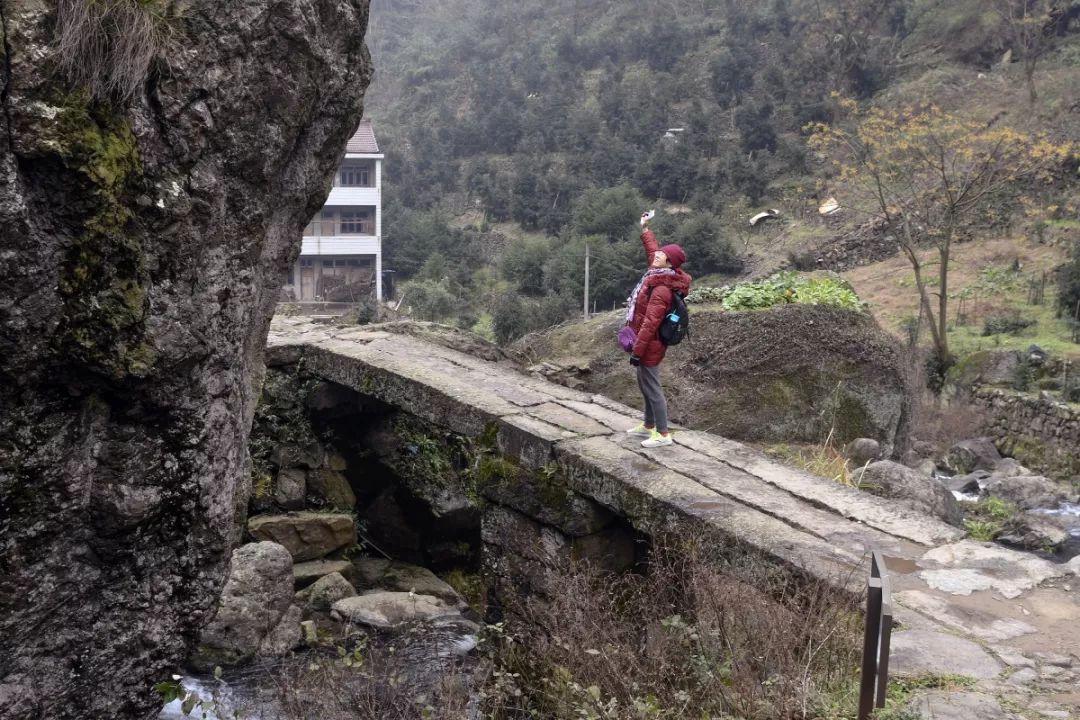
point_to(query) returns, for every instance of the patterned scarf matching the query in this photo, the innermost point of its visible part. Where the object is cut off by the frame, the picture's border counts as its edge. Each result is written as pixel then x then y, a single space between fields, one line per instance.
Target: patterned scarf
pixel 632 300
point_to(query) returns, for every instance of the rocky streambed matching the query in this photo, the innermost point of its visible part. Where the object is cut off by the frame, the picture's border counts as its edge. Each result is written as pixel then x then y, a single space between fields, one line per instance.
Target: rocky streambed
pixel 971 484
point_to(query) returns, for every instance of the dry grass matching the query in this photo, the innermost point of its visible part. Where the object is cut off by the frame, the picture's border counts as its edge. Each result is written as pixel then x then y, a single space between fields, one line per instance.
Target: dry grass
pixel 946 422
pixel 699 632
pixel 108 45
pixel 824 460
pixel 889 288
pixel 697 635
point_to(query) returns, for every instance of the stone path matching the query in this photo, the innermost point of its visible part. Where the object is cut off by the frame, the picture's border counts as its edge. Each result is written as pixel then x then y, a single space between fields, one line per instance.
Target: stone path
pixel 1008 619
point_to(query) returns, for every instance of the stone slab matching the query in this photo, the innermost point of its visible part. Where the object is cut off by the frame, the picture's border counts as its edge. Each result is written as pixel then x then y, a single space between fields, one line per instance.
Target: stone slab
pixel 921 652
pixel 845 501
pixel 568 419
pixel 977 623
pixel 528 441
pixel 305 573
pixel 942 705
pixel 969 566
pixel 756 493
pixel 654 498
pixel 613 420
pixel 306 535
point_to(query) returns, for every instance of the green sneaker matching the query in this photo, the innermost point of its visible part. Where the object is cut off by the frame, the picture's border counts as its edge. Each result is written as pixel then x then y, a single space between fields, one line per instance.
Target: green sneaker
pixel 641 431
pixel 657 440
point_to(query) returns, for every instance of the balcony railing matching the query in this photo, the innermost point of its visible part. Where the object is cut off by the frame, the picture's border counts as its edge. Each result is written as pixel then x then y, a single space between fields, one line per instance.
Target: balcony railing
pixel 332 228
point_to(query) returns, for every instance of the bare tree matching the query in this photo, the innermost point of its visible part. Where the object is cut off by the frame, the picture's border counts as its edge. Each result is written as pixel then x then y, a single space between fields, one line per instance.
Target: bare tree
pixel 926 172
pixel 1026 22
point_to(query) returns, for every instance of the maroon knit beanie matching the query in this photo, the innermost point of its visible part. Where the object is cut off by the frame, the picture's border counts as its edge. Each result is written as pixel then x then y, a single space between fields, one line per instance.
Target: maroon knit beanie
pixel 675 255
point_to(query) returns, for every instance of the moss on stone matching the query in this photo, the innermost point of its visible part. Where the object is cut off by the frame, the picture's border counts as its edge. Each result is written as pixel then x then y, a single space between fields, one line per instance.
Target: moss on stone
pixel 1039 455
pixel 488 439
pixel 103 279
pixel 491 469
pixel 850 418
pixel 470 586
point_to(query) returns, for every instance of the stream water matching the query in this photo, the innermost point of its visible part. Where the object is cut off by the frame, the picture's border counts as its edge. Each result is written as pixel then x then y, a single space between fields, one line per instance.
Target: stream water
pixel 1067 513
pixel 255 692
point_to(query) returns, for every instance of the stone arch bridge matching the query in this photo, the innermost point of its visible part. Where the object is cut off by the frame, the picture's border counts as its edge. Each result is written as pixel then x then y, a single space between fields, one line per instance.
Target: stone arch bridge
pixel 988 606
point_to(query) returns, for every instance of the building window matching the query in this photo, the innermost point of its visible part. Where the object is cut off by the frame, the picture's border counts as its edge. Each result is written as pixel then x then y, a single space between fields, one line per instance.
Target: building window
pixel 307 263
pixel 356 222
pixel 355 176
pixel 309 229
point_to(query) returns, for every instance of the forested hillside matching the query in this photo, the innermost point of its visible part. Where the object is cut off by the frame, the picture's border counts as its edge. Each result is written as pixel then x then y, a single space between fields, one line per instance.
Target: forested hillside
pixel 517 132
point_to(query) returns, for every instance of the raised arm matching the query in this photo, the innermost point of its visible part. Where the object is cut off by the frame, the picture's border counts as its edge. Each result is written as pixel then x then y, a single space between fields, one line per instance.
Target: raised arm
pixel 648 239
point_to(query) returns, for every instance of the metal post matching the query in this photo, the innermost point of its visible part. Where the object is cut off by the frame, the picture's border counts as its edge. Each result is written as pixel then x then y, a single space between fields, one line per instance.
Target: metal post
pixel 585 311
pixel 868 678
pixel 877 639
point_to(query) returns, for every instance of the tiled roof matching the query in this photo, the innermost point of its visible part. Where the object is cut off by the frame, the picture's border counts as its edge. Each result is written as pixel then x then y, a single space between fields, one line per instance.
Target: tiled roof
pixel 363 142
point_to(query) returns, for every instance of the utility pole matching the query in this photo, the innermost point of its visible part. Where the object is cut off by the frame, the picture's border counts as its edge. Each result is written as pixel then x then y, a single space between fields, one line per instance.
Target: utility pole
pixel 585 312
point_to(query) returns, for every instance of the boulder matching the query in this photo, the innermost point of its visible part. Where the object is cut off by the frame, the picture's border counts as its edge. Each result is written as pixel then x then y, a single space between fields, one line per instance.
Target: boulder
pixel 985 367
pixel 284 638
pixel 911 459
pixel 306 535
pixel 257 594
pixel 1009 467
pixel 308 456
pixel 290 489
pixel 925 449
pixel 336 461
pixel 330 489
pixel 143 239
pixel 1034 531
pixel 1029 492
pixel 974 454
pixel 791 373
pixel 325 592
pixel 861 451
pixel 401 577
pixel 305 573
pixel 911 488
pixel 387 610
pixel 927 468
pixel 967 484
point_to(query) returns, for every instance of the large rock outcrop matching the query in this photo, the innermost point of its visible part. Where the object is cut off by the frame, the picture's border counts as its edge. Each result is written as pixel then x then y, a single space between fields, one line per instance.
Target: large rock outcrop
pixel 142 245
pixel 790 373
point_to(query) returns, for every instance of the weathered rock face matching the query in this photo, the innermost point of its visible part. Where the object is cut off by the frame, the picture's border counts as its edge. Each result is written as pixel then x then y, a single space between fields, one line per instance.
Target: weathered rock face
pixel 141 250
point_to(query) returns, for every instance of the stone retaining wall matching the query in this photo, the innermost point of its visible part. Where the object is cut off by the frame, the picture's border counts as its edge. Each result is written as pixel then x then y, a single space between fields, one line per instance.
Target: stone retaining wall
pixel 1040 432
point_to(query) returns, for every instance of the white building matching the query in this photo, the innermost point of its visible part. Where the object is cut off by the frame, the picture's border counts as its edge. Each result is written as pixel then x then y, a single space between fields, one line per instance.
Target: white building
pixel 341 255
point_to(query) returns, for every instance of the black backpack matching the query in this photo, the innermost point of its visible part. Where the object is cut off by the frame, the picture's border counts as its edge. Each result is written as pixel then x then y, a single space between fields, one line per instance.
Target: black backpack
pixel 675 326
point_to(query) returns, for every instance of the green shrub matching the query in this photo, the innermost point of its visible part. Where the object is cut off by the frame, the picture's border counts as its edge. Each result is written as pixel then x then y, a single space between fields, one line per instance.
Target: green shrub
pixel 708 295
pixel 1006 325
pixel 791 287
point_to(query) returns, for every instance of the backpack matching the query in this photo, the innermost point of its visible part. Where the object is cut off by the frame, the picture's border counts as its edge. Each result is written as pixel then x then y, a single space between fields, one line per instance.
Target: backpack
pixel 675 326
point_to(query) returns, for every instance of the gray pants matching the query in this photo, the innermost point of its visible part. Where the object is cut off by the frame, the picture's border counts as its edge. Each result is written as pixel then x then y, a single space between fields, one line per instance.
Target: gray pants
pixel 648 379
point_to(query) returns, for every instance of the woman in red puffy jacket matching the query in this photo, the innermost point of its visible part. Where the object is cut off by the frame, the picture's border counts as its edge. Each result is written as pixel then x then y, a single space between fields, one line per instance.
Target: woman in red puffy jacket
pixel 648 305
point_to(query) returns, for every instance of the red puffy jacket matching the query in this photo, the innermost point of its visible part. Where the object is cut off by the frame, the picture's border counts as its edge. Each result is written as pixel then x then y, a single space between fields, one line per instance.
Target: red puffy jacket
pixel 651 307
